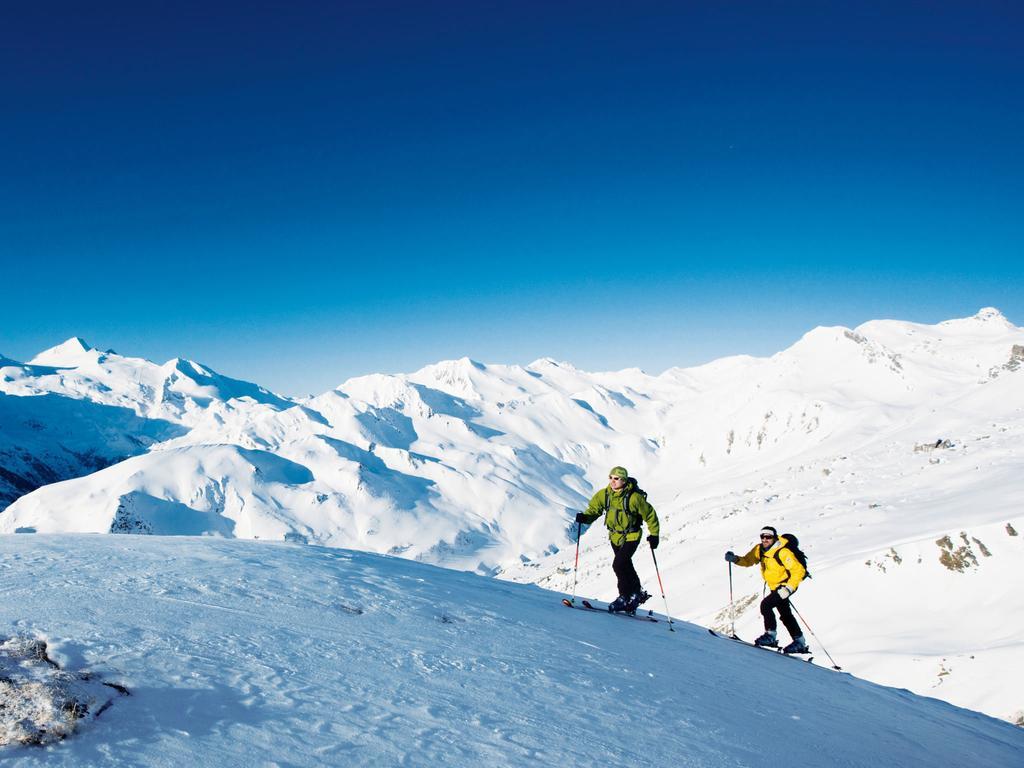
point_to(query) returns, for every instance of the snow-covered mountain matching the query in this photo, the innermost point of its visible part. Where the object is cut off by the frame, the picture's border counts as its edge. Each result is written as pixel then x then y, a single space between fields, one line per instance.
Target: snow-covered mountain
pixel 201 651
pixel 178 390
pixel 72 410
pixel 892 449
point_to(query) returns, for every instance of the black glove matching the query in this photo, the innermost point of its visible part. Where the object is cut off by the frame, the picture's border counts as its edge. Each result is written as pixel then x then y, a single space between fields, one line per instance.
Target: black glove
pixel 653 541
pixel 581 518
pixel 731 557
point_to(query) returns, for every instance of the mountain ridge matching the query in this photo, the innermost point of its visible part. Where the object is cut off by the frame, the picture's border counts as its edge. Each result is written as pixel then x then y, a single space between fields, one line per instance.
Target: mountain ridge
pixel 482 466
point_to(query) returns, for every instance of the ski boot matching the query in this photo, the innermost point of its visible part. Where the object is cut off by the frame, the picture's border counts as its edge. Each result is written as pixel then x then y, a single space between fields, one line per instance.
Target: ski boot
pixel 635 601
pixel 799 645
pixel 617 605
pixel 767 640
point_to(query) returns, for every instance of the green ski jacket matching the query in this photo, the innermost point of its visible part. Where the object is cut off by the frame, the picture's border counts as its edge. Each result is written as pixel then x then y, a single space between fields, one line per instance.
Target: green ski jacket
pixel 623 525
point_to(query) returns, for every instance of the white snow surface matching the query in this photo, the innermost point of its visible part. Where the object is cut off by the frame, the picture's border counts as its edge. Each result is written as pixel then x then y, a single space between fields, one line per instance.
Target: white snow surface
pixel 241 653
pixel 915 549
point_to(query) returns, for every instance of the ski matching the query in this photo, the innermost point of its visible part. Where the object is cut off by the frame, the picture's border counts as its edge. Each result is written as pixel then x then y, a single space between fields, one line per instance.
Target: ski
pixel 809 659
pixel 649 616
pixel 586 605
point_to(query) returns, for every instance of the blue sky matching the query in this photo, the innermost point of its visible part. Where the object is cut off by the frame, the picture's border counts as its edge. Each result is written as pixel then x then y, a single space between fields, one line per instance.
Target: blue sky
pixel 298 193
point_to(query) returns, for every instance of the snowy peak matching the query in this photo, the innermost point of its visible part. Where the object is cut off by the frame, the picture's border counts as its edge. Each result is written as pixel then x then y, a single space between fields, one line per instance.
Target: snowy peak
pixel 188 368
pixel 74 351
pixel 179 390
pixel 544 363
pixel 838 354
pixel 987 320
pixel 462 377
pixel 189 378
pixel 987 314
pixel 75 344
pixel 961 350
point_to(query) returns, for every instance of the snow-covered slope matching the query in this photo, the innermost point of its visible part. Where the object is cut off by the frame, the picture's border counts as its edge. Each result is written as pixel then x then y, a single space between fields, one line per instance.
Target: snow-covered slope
pixel 240 653
pixel 73 410
pixel 482 467
pixel 49 438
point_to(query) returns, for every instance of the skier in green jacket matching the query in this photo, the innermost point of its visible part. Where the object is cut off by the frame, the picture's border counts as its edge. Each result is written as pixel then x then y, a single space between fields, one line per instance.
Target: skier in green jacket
pixel 625 509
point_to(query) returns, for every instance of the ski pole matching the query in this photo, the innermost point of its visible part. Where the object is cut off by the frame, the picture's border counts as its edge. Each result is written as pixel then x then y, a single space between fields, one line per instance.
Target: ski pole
pixel 834 665
pixel 576 567
pixel 662 586
pixel 732 615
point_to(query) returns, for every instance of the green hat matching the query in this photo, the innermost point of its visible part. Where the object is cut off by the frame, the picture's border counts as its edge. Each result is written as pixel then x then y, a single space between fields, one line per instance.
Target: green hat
pixel 619 472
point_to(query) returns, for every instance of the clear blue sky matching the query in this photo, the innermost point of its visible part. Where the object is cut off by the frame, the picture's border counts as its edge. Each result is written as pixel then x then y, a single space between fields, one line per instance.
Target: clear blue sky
pixel 295 193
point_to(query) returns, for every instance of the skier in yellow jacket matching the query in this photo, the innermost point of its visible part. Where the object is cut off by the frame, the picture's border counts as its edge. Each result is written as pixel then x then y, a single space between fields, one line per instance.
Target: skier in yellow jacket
pixel 625 510
pixel 782 572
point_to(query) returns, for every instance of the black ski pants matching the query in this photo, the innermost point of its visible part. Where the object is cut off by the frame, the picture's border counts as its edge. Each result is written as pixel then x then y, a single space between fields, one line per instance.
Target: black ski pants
pixel 768 606
pixel 629 582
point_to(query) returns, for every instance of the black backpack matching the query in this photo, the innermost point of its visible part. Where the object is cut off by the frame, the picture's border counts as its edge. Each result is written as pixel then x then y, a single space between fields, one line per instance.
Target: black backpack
pixel 635 523
pixel 793 545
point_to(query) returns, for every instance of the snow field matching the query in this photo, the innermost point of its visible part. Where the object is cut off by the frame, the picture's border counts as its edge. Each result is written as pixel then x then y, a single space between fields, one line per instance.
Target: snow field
pixel 243 653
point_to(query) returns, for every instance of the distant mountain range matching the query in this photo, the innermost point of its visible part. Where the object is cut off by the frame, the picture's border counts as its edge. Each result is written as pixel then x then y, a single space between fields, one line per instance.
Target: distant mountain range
pixel 893 449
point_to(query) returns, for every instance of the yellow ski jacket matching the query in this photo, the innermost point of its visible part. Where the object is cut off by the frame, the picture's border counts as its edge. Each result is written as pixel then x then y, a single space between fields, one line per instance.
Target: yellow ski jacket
pixel 776 573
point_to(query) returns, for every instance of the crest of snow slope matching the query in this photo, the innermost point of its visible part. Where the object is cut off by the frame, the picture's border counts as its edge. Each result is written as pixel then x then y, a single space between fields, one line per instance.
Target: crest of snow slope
pixel 248 653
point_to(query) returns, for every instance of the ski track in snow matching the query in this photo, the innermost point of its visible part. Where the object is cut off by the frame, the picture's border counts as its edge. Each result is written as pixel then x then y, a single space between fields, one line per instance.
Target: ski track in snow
pixel 244 653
